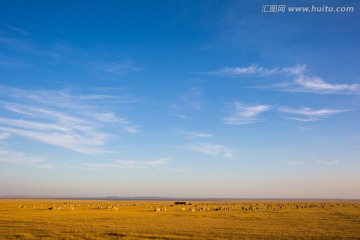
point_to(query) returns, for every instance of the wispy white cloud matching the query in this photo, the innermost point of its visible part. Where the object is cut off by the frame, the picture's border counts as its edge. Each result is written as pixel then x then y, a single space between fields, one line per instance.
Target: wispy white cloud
pixel 4 135
pixel 186 103
pixel 296 70
pixel 246 114
pixel 211 149
pixel 309 114
pixel 11 157
pixel 119 68
pixel 307 129
pixel 104 62
pixel 77 122
pixel 240 71
pixel 7 156
pixel 15 30
pixel 88 143
pixel 191 134
pixel 192 99
pixel 127 164
pixel 63 98
pixel 127 126
pixel 301 80
pixel 17 39
pixel 19 123
pixel 304 82
pixel 318 85
pixel 182 116
pixel 312 112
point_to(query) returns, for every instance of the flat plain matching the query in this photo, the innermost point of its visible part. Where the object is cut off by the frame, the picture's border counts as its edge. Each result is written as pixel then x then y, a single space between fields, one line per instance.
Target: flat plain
pixel 138 219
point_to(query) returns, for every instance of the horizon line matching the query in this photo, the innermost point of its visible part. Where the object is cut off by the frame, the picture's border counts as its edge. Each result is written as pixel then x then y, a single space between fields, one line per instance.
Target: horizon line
pixel 23 197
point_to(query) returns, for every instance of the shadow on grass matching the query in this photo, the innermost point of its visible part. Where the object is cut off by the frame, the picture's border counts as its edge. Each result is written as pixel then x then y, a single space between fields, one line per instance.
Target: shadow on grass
pixel 141 236
pixel 116 235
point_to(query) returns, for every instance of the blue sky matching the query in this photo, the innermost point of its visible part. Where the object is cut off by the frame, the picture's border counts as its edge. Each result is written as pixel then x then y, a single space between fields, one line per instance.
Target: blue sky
pixel 179 99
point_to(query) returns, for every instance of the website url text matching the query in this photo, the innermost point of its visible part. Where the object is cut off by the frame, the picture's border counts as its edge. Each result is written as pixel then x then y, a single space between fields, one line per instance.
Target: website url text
pixel 308 9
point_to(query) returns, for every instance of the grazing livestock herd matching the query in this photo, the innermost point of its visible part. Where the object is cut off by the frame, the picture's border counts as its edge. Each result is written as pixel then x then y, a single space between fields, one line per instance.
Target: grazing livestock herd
pixel 173 219
pixel 198 206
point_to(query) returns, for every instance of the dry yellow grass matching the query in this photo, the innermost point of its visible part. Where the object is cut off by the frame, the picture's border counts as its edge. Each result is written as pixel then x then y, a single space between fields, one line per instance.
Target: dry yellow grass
pixel 92 219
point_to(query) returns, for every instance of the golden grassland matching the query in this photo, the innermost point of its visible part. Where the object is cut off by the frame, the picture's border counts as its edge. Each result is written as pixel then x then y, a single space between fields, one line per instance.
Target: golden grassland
pixel 96 219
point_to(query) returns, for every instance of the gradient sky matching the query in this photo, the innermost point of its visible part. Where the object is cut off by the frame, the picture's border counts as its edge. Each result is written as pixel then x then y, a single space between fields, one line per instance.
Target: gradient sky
pixel 179 99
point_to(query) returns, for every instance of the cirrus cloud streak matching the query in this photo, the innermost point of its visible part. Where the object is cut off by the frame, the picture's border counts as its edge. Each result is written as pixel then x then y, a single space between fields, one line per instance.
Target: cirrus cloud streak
pixel 211 149
pixel 246 114
pixel 126 164
pixel 83 123
pixel 301 80
pixel 309 114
